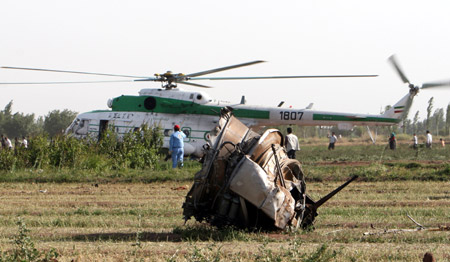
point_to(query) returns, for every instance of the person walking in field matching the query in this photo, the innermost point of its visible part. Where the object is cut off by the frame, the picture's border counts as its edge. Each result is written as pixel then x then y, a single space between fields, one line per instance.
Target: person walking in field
pixel 415 141
pixel 333 140
pixel 429 142
pixel 24 142
pixel 392 141
pixel 8 143
pixel 292 144
pixel 176 146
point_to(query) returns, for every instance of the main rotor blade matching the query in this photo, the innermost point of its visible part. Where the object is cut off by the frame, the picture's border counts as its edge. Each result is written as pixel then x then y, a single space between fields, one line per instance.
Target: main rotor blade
pixel 397 67
pixel 71 72
pixel 276 77
pixel 223 68
pixel 436 84
pixel 74 82
pixel 192 84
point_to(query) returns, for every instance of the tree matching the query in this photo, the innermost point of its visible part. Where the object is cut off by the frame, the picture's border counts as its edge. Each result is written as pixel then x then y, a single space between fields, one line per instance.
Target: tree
pixel 415 120
pixel 17 124
pixel 429 109
pixel 56 121
pixel 438 119
pixel 8 109
pixel 447 121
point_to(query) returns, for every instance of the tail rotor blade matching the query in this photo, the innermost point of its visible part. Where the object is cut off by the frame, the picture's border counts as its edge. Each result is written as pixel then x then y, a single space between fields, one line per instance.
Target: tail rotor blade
pixel 436 84
pixel 393 60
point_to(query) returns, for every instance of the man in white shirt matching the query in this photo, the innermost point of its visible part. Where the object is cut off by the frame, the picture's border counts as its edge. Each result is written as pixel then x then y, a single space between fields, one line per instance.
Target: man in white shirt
pixel 8 143
pixel 24 142
pixel 415 141
pixel 333 140
pixel 291 143
pixel 429 139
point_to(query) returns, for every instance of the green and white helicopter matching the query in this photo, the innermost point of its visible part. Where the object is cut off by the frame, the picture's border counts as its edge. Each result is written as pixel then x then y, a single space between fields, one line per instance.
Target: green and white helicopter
pixel 197 113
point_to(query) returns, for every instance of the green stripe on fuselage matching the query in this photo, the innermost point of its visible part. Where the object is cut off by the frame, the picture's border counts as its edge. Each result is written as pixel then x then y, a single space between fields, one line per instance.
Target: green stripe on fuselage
pixel 176 106
pixel 328 117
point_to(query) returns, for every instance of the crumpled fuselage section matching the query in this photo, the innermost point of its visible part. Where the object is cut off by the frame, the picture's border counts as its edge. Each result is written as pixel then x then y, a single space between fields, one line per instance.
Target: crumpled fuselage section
pixel 247 180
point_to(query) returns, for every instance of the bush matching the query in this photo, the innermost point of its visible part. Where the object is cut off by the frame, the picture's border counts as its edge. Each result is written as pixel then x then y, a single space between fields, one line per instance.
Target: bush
pixel 136 150
pixel 24 249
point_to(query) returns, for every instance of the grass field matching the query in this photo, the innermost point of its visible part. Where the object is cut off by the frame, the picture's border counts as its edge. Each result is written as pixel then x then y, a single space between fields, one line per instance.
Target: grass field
pixel 132 217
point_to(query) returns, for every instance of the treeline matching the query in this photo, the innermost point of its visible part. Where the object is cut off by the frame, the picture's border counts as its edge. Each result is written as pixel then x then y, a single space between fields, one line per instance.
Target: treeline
pixel 20 125
pixel 137 150
pixel 437 121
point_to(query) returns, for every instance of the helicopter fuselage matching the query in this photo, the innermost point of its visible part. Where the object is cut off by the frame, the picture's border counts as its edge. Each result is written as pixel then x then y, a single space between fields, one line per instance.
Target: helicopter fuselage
pixel 197 114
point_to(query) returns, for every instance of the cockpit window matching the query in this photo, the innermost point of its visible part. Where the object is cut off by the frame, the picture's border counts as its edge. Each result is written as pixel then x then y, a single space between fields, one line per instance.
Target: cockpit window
pixel 81 126
pixel 167 132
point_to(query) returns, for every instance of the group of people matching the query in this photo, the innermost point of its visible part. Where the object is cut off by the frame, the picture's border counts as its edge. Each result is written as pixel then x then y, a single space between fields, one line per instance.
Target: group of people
pixel 292 144
pixel 428 141
pixel 6 143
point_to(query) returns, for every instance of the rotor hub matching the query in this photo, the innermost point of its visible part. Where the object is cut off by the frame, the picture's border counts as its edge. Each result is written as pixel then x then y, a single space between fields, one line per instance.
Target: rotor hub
pixel 413 90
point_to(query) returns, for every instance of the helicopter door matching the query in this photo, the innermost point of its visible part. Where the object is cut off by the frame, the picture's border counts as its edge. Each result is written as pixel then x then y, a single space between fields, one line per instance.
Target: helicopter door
pixel 102 128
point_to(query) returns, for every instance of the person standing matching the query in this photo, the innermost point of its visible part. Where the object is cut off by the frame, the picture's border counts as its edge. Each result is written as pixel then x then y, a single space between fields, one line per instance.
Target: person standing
pixel 429 139
pixel 24 142
pixel 8 142
pixel 415 141
pixel 176 146
pixel 292 144
pixel 333 140
pixel 392 141
pixel 442 142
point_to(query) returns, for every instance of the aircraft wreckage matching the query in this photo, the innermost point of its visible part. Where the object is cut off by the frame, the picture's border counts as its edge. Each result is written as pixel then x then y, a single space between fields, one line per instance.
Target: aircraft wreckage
pixel 248 181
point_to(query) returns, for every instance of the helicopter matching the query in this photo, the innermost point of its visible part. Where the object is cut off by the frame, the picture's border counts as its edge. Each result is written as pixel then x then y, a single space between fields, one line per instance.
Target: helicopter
pixel 197 113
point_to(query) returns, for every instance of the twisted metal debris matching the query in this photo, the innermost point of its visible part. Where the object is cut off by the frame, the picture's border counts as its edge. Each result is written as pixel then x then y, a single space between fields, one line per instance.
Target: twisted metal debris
pixel 248 181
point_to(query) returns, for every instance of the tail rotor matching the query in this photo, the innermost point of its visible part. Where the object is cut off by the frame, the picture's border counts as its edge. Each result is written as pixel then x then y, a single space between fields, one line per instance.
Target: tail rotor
pixel 413 89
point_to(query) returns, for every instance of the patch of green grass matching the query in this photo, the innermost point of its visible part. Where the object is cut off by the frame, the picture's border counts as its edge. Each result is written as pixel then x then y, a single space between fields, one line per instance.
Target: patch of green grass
pixel 209 233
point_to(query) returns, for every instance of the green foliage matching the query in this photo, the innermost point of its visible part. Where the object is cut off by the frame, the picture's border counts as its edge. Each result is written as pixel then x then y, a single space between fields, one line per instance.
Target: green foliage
pixel 57 121
pixel 25 250
pixel 202 233
pixel 429 108
pixel 136 150
pixel 321 254
pixel 265 253
pixel 64 151
pixel 17 124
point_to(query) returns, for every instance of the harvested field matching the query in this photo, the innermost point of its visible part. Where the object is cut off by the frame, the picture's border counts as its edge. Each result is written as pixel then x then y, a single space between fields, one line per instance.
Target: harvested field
pixel 136 221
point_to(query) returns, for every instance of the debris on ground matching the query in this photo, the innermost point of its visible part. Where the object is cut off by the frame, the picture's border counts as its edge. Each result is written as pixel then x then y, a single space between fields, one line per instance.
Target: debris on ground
pixel 248 181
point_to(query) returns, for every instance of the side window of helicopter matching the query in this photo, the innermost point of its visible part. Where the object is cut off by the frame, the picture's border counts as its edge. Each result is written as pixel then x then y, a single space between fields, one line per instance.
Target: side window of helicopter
pixel 191 96
pixel 186 131
pixel 167 132
pixel 199 97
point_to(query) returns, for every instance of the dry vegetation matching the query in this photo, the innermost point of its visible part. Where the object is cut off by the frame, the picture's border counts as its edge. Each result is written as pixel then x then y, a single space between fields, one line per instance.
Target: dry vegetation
pixel 135 221
pixel 136 215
